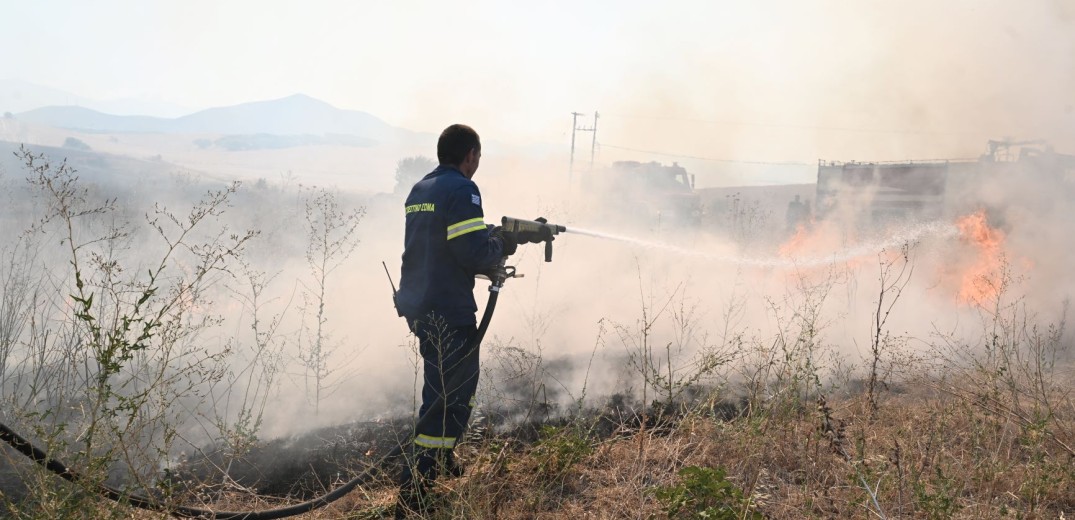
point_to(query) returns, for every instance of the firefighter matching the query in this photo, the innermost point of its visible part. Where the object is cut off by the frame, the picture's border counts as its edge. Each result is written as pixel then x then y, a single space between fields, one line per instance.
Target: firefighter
pixel 446 243
pixel 795 214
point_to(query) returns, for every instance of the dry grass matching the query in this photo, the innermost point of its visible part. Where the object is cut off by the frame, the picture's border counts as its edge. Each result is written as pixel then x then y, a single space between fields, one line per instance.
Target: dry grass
pixel 937 448
pixel 928 453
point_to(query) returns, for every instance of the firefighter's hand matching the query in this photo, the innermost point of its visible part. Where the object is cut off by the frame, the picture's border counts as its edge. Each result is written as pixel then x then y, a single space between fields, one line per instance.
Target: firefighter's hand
pixel 536 237
pixel 546 232
pixel 510 246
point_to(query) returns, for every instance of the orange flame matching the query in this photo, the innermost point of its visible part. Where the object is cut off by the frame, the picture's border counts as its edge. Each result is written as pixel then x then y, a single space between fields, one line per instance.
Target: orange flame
pixel 817 239
pixel 981 281
pixel 797 243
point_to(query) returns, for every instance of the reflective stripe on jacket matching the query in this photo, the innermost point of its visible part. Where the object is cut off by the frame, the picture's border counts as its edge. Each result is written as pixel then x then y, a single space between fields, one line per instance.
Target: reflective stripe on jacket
pixel 445 244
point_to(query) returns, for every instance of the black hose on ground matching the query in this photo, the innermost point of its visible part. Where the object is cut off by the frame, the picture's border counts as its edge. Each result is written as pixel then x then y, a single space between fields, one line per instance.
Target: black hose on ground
pixel 37 455
pixel 41 458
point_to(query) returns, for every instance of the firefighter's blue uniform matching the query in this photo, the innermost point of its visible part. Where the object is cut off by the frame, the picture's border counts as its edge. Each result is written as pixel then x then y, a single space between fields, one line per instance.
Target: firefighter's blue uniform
pixel 446 243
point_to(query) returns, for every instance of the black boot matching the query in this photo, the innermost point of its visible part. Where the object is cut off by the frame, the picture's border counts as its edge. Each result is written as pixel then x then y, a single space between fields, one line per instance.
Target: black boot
pixel 416 484
pixel 415 497
pixel 450 467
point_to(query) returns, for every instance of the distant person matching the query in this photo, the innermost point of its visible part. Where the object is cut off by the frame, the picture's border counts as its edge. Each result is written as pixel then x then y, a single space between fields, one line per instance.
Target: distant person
pixel 446 242
pixel 794 214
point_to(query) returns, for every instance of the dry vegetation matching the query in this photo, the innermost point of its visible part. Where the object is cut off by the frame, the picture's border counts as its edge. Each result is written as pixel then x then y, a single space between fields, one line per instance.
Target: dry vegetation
pixel 762 426
pixel 937 448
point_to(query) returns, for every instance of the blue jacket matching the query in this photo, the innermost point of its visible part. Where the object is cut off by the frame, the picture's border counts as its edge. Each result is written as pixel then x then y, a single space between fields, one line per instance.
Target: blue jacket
pixel 445 244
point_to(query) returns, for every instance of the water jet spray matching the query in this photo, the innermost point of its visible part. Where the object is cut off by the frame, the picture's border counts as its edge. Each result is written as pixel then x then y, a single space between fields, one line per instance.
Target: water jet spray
pixel 936 228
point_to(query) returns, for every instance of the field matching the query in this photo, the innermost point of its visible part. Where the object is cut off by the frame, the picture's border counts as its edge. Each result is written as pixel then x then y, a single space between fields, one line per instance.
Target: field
pixel 230 347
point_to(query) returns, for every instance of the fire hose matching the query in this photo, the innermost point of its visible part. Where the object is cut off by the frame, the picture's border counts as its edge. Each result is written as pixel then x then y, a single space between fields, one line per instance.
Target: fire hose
pixel 497 278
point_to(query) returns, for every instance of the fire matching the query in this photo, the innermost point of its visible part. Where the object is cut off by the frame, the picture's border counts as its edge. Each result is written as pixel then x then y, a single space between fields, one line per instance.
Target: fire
pixel 817 239
pixel 798 242
pixel 982 279
pixel 812 238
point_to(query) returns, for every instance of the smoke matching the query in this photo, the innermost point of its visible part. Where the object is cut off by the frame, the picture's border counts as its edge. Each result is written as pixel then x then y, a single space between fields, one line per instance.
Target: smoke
pixel 788 82
pixel 799 82
pixel 754 289
pixel 576 327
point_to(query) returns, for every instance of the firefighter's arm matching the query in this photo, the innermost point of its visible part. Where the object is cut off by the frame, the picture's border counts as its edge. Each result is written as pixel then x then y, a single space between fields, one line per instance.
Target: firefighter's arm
pixel 469 239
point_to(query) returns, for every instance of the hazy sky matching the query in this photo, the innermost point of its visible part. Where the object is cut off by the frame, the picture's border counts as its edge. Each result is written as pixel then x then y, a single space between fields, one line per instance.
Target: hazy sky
pixel 752 80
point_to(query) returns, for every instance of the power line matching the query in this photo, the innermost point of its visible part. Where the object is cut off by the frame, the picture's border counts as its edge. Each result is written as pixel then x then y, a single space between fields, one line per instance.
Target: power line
pixel 791 125
pixel 685 156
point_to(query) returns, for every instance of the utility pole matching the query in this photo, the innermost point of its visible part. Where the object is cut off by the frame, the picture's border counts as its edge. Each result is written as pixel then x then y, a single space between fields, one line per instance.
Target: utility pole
pixel 571 165
pixel 593 143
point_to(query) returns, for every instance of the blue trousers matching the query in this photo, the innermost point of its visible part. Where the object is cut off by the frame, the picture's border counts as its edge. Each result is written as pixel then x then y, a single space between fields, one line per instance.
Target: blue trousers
pixel 450 380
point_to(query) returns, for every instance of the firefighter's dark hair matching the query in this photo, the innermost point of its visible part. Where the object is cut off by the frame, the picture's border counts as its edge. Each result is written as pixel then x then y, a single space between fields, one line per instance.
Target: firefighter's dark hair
pixel 455 143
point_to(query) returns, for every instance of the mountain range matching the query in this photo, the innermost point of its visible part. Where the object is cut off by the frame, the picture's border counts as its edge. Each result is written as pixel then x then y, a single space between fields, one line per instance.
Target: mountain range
pixel 293 115
pixel 296 115
pixel 19 96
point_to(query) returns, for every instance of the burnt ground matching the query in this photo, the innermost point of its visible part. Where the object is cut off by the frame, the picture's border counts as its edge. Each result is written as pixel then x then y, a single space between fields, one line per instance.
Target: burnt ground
pixel 298 467
pixel 306 466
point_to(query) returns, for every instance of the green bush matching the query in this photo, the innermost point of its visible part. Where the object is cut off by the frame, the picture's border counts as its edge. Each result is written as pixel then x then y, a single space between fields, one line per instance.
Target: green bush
pixel 705 493
pixel 561 448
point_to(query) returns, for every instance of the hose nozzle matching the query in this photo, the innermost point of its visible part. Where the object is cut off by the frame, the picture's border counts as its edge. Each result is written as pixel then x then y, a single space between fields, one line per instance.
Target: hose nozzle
pixel 532 231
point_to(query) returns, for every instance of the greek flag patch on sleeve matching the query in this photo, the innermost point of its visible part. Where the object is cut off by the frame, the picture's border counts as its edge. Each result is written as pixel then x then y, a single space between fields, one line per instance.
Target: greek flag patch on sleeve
pixel 476 200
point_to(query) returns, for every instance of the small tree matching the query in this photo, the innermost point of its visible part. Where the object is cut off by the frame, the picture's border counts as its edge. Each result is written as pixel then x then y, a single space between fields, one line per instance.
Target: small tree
pixel 411 170
pixel 894 274
pixel 76 144
pixel 331 240
pixel 254 367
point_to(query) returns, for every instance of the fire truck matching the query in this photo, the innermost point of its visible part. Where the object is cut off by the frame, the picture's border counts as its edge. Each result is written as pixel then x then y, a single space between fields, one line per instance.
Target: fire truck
pixel 875 193
pixel 652 194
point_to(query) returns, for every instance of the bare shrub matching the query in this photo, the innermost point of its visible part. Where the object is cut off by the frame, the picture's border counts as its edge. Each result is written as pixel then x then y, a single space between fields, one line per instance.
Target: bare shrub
pixel 104 369
pixel 331 238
